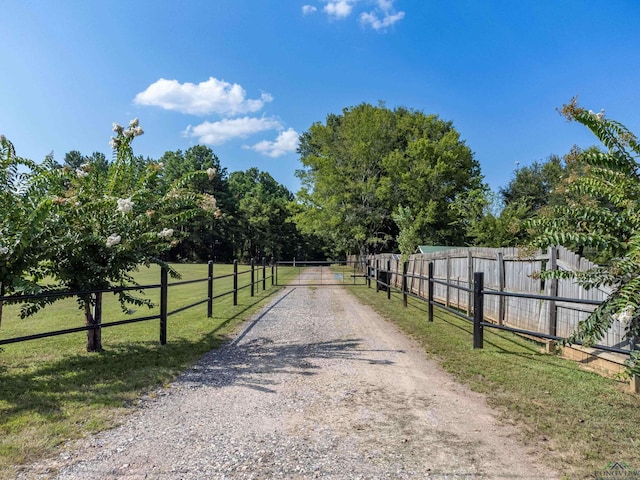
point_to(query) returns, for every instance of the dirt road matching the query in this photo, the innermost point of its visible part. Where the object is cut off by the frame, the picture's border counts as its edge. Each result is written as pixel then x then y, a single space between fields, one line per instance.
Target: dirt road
pixel 315 386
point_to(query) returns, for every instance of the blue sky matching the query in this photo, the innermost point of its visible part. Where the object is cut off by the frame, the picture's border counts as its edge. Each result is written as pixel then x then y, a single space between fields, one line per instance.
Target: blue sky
pixel 246 77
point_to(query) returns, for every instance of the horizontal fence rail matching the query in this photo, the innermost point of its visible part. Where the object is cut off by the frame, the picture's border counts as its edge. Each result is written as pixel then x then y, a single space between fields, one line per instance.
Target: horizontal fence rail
pixel 259 273
pixel 330 272
pixel 388 277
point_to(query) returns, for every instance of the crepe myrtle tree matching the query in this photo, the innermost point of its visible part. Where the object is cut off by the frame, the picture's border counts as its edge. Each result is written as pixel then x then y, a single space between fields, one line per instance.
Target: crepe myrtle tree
pixel 21 228
pixel 103 228
pixel 602 212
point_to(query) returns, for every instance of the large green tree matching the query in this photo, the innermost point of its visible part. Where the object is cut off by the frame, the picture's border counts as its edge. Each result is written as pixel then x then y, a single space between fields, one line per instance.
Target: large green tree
pixel 488 222
pixel 603 213
pixel 101 227
pixel 371 163
pixel 536 184
pixel 23 234
pixel 263 220
pixel 74 159
pixel 206 239
pixel 430 168
pixel 500 219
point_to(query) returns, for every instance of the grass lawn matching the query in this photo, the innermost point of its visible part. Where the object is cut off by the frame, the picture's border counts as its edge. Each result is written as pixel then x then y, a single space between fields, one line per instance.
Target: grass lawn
pixel 580 420
pixel 52 390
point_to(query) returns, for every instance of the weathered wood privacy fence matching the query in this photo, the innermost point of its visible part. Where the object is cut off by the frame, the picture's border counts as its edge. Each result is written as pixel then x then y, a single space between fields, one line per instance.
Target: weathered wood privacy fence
pixel 511 271
pixel 250 277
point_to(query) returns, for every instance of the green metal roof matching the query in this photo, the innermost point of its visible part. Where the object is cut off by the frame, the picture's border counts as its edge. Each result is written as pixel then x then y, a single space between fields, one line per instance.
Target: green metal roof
pixel 435 248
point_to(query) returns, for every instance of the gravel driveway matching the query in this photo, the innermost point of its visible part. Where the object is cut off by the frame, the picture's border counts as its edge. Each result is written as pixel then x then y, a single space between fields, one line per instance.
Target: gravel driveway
pixel 315 386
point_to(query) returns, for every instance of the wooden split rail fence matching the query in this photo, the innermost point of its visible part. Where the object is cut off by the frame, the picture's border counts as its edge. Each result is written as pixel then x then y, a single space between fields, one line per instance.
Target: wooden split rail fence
pixel 256 271
pixel 502 289
pixel 510 271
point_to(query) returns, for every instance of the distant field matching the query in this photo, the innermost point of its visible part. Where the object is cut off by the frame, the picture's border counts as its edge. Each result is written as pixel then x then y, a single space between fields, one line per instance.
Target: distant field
pixel 52 390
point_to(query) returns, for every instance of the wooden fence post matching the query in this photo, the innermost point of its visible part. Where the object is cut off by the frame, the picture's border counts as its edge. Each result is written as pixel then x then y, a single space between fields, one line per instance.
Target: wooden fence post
pixel 368 273
pixel 164 290
pixel 264 273
pixel 447 301
pixel 478 310
pixel 413 273
pixel 469 281
pixel 501 280
pixel 635 379
pixel 405 267
pixel 210 291
pixel 389 279
pixel 2 292
pixel 97 318
pixel 377 275
pixel 420 279
pixel 235 282
pixel 430 291
pixel 253 275
pixel 553 292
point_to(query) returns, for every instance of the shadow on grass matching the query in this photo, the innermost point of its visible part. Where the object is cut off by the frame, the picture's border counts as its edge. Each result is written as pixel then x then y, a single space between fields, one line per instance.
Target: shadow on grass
pixel 116 376
pixel 508 345
pixel 497 342
pixel 111 378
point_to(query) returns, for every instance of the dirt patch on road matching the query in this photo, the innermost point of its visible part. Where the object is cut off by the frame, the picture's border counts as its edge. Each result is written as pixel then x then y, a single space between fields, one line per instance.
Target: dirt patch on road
pixel 316 386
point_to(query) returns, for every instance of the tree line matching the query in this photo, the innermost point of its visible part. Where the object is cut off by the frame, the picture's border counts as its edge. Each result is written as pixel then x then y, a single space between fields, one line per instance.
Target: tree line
pixel 378 179
pixel 373 179
pixel 254 211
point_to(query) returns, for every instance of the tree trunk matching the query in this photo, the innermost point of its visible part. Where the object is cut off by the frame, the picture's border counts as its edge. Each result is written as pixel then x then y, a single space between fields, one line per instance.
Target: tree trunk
pixel 94 336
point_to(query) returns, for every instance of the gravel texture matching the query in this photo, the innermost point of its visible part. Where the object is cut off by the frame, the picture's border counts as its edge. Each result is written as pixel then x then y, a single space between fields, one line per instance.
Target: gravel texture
pixel 315 386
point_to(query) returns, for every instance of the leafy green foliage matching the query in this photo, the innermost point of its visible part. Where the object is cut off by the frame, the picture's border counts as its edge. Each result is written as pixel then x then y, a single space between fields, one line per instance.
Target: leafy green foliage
pixel 500 220
pixel 205 238
pixel 74 159
pixel 602 212
pixel 370 162
pixel 408 237
pixel 263 216
pixel 488 222
pixel 24 207
pixel 86 228
pixel 536 184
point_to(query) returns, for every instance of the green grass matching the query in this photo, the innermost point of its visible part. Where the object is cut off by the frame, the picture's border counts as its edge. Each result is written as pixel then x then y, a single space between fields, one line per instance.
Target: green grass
pixel 52 390
pixel 580 420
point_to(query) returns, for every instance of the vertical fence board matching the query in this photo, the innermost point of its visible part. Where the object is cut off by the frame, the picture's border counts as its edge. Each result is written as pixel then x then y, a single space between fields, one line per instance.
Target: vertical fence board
pixel 511 270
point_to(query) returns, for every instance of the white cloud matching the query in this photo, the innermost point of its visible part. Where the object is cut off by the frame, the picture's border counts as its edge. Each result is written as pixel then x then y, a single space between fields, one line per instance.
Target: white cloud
pixel 382 17
pixel 308 9
pixel 339 8
pixel 377 23
pixel 385 5
pixel 217 133
pixel 286 142
pixel 212 96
